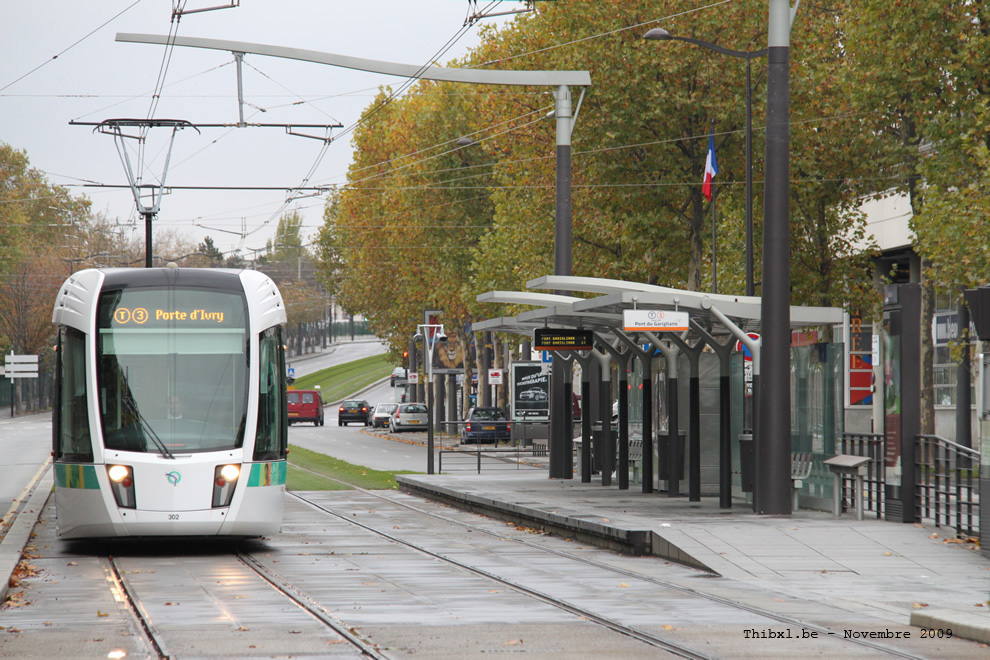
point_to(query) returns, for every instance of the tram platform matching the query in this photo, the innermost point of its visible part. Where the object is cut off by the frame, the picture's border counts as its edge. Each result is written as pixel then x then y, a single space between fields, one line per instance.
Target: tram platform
pixel 898 573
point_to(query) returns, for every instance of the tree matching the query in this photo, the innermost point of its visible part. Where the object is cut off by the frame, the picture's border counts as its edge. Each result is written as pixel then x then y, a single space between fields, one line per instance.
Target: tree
pixel 211 252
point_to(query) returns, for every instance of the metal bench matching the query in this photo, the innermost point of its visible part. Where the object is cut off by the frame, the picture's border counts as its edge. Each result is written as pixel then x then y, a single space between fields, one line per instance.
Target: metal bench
pixel 801 464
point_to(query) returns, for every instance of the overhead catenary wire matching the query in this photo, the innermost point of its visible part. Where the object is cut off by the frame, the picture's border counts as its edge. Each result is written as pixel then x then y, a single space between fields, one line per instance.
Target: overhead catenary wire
pixel 72 45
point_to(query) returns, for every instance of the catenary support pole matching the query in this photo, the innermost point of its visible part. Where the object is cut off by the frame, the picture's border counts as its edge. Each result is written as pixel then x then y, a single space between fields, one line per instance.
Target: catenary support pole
pixel 773 444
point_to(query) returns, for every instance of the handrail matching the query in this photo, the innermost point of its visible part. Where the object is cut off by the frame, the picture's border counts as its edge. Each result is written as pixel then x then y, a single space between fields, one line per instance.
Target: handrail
pixel 947 484
pixel 973 453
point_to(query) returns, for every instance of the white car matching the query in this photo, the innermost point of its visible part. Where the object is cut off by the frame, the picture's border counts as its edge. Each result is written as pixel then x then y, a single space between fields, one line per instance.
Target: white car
pixel 409 416
pixel 383 412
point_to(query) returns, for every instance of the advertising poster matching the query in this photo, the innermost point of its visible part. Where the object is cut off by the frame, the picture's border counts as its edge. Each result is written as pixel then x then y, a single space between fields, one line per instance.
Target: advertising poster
pixel 530 392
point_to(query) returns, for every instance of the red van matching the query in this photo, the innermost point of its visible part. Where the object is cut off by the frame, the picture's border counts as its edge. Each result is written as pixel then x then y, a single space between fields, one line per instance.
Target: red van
pixel 305 406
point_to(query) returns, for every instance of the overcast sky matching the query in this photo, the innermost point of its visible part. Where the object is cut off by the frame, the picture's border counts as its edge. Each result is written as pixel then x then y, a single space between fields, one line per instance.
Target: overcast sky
pixel 95 78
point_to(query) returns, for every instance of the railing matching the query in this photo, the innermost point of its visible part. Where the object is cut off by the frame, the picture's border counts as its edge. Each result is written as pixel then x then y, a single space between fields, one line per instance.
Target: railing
pixel 947 477
pixel 870 445
pixel 509 456
pixel 504 457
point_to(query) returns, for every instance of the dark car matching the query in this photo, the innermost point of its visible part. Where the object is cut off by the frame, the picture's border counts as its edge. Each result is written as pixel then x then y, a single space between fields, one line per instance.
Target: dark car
pixel 485 425
pixel 354 410
pixel 398 374
pixel 305 406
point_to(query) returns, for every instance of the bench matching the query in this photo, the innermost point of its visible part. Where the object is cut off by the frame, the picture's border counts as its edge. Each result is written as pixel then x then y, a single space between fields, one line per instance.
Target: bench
pixel 801 464
pixel 636 459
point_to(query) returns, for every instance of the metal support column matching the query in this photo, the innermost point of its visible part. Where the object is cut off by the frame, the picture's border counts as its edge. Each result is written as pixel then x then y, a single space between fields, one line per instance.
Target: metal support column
pixel 772 493
pixel 724 352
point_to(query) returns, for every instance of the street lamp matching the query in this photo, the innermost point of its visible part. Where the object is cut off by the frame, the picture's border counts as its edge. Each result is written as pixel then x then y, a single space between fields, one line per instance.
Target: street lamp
pixel 659 34
pixel 431 334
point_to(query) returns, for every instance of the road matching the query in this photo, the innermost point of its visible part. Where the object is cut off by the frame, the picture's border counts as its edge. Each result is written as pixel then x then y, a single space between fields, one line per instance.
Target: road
pixel 335 354
pixel 25 443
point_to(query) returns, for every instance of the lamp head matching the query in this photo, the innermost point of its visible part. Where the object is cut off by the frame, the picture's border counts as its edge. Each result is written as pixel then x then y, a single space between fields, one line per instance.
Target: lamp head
pixel 657 34
pixel 442 337
pixel 418 336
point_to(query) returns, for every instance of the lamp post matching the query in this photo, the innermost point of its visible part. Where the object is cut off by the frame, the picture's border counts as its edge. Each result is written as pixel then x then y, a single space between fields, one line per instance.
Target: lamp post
pixel 431 334
pixel 659 34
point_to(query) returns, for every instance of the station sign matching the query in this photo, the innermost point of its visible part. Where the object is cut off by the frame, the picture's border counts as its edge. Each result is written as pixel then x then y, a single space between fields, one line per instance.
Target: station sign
pixel 546 339
pixel 654 320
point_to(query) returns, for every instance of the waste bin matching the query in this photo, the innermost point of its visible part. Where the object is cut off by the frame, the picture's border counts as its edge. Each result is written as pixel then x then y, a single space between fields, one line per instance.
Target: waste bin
pixel 663 462
pixel 747 461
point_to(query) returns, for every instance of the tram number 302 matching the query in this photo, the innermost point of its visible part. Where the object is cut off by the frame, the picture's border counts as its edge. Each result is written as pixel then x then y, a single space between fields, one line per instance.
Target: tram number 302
pixel 173 516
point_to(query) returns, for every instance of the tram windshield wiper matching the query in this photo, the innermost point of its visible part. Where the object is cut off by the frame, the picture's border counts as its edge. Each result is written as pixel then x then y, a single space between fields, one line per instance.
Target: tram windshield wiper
pixel 147 428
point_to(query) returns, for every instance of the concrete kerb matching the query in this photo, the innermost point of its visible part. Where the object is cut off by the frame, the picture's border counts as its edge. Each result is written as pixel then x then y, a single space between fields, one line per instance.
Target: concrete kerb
pixel 963 623
pixel 17 537
pixel 568 524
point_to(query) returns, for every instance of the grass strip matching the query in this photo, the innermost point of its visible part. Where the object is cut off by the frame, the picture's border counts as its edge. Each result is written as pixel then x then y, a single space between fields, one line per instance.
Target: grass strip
pixel 303 463
pixel 343 380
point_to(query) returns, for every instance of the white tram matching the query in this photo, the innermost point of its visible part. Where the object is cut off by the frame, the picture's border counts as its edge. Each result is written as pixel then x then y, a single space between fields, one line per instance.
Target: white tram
pixel 170 415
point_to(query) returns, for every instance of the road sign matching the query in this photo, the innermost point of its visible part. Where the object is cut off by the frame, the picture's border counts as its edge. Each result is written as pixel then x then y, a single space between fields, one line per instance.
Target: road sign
pixel 747 356
pixel 21 366
pixel 290 372
pixel 413 377
pixel 545 357
pixel 654 320
pixel 494 376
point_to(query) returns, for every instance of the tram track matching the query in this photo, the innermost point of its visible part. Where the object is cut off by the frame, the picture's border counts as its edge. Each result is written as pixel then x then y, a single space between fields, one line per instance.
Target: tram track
pixel 611 624
pixel 647 637
pixel 131 605
pixel 312 607
pixel 141 623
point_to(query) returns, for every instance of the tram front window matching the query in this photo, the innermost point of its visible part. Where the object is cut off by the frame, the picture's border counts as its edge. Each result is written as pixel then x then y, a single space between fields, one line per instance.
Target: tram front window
pixel 172 369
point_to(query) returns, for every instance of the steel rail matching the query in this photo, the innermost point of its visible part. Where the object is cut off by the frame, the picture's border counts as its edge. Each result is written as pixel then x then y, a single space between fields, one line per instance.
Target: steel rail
pixel 615 626
pixel 825 631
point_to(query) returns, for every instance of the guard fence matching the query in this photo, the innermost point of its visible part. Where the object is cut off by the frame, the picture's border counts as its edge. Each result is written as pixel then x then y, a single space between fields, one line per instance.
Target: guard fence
pixel 947 477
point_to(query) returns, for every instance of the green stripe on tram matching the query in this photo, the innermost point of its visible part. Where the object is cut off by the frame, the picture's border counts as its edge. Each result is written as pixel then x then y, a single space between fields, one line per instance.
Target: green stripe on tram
pixel 267 474
pixel 75 476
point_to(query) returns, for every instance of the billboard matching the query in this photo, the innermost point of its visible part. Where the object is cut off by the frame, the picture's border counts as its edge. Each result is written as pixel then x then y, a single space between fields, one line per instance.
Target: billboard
pixel 530 392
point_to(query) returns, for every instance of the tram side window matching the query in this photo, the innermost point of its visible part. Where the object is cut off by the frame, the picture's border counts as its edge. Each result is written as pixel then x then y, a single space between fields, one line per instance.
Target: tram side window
pixel 271 440
pixel 72 437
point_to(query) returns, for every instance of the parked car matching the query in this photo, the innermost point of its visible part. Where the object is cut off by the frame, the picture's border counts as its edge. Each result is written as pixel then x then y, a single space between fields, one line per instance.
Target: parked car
pixel 354 410
pixel 305 406
pixel 485 425
pixel 409 416
pixel 533 394
pixel 382 413
pixel 399 373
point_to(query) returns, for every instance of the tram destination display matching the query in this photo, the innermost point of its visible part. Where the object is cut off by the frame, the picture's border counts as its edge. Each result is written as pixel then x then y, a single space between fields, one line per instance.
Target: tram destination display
pixel 545 339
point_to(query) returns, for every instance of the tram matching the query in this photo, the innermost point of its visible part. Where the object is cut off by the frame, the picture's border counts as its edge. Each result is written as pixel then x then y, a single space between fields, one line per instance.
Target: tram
pixel 170 416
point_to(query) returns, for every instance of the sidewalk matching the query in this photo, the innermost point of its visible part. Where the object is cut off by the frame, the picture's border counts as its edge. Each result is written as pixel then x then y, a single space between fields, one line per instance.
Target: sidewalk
pixel 898 573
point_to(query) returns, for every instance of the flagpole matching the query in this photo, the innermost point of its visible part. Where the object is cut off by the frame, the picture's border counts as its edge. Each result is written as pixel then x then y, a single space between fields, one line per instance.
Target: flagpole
pixel 714 248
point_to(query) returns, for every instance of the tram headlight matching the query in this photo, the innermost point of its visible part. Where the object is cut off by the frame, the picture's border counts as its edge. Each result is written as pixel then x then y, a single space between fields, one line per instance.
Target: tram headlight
pixel 224 479
pixel 122 485
pixel 230 472
pixel 118 472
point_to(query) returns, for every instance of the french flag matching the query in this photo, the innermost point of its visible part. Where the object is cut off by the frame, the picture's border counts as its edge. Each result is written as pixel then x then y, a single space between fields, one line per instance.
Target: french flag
pixel 711 167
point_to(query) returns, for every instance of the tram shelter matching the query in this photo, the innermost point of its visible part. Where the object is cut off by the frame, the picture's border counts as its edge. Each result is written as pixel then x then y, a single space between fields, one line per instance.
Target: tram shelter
pixel 716 323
